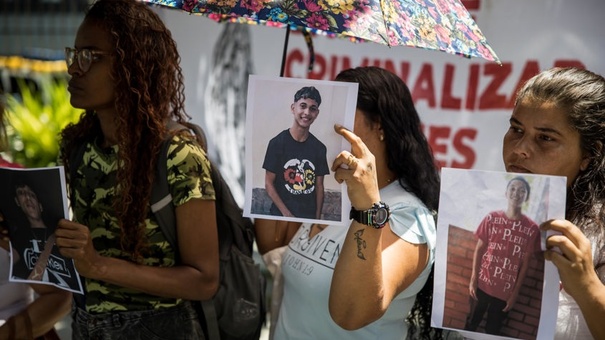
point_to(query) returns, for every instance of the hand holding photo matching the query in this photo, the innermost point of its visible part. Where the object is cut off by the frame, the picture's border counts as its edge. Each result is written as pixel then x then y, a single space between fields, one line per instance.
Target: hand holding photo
pixel 290 143
pixel 490 246
pixel 31 208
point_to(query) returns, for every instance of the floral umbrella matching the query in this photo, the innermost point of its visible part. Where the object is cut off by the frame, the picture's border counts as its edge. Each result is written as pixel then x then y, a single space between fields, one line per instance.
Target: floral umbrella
pixel 443 25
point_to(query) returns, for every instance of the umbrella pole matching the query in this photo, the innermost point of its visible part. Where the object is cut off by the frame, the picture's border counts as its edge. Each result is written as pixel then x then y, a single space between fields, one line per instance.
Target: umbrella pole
pixel 283 58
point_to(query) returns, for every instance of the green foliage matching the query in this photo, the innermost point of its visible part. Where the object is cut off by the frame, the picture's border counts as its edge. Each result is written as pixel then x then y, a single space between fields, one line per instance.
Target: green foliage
pixel 35 119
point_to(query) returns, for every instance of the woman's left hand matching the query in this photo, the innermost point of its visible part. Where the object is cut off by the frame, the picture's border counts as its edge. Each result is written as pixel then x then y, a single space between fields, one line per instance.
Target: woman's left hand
pixel 74 241
pixel 358 169
pixel 574 262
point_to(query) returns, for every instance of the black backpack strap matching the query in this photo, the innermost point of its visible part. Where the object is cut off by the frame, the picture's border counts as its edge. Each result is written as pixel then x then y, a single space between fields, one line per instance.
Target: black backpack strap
pixel 208 305
pixel 75 159
pixel 240 230
pixel 211 319
pixel 161 199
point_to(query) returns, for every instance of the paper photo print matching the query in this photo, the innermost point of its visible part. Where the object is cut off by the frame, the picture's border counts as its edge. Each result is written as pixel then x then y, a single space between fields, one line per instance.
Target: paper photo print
pixel 32 202
pixel 491 279
pixel 290 147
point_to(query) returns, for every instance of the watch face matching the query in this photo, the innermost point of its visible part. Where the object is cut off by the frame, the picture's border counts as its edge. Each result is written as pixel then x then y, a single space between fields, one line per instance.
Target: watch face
pixel 382 214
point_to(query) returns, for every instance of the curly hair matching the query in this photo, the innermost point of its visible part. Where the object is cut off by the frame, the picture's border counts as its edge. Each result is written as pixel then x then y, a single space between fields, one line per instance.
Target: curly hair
pixel 581 93
pixel 384 98
pixel 149 90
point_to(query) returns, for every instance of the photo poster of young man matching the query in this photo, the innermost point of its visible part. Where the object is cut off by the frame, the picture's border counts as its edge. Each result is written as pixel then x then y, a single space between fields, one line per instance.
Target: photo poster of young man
pixel 32 202
pixel 290 147
pixel 491 279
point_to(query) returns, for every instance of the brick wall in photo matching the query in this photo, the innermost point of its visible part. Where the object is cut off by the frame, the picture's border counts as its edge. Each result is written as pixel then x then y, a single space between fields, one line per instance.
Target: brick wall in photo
pixel 523 319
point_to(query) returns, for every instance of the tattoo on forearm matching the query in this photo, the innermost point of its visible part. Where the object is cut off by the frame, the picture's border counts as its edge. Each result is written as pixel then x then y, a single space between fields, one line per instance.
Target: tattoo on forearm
pixel 361 244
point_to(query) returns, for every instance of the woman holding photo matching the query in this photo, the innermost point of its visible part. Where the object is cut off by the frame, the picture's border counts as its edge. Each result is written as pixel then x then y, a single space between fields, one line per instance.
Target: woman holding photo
pixel 125 73
pixel 362 280
pixel 558 128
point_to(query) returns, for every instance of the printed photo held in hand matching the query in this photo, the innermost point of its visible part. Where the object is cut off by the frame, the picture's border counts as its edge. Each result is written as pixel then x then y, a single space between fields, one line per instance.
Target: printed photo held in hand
pixel 490 275
pixel 289 143
pixel 32 204
pixel 374 276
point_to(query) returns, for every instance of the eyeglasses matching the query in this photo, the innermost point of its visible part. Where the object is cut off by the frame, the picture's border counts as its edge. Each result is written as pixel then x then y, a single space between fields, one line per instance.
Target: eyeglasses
pixel 84 56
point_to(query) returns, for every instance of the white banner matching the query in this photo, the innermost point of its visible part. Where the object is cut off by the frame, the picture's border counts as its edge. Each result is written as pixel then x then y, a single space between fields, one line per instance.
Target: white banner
pixel 464 103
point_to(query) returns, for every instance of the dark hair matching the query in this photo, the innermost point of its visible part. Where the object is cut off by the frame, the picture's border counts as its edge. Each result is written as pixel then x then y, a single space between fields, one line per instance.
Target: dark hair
pixel 384 98
pixel 308 92
pixel 522 180
pixel 22 218
pixel 149 90
pixel 581 93
pixel 20 184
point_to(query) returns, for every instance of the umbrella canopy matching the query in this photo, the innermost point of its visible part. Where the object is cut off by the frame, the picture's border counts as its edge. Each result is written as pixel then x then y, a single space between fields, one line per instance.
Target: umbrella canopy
pixel 443 25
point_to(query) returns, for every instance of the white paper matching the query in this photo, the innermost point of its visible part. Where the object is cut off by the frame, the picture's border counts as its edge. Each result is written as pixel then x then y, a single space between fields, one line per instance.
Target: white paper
pixel 268 113
pixel 465 199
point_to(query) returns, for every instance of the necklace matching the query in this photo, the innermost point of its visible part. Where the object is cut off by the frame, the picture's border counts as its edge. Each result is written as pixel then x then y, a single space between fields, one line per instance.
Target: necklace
pixel 387 182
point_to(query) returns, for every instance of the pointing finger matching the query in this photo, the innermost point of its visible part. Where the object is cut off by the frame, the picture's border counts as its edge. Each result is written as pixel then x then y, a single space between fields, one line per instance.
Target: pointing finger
pixel 358 148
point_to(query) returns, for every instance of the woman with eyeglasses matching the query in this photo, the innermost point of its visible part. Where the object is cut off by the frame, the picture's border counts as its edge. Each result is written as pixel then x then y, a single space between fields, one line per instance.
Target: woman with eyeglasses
pixel 125 74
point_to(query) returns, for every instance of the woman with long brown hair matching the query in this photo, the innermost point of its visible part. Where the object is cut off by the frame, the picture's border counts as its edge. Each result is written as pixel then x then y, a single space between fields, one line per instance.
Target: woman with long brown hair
pixel 125 74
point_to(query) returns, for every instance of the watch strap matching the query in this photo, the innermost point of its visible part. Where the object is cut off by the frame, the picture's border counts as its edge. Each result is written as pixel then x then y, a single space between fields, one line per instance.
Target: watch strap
pixel 368 217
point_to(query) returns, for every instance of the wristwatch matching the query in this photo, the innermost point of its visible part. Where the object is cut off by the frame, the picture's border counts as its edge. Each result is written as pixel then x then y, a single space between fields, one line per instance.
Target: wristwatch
pixel 376 217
